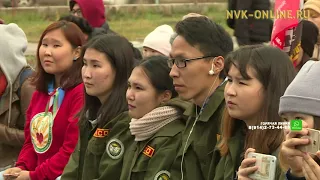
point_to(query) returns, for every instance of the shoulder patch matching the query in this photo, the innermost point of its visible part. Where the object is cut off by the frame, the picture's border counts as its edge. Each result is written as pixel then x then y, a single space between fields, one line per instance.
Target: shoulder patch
pixel 100 133
pixel 162 175
pixel 115 148
pixel 148 151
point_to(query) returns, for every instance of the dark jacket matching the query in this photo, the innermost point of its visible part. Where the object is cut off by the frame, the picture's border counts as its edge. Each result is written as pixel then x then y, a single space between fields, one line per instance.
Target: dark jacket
pixel 250 30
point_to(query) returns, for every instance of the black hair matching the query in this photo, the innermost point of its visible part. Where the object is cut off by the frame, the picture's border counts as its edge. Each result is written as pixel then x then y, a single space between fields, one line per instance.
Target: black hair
pixel 209 37
pixel 119 53
pixel 80 22
pixel 137 53
pixel 71 4
pixel 274 70
pixel 157 70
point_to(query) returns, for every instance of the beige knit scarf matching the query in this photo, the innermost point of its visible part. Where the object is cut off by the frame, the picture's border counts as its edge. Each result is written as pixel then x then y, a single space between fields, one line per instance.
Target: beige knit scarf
pixel 145 127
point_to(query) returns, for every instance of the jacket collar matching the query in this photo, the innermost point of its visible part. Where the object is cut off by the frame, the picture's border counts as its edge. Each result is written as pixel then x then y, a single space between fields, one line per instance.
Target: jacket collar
pixel 214 102
pixel 175 128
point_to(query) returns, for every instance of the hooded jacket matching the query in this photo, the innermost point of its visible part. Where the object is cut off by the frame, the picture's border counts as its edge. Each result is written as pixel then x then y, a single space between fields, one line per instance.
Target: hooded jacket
pixel 93 11
pixel 13 105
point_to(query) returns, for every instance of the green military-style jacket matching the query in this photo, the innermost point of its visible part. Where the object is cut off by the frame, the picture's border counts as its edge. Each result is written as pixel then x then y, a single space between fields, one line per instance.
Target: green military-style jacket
pixel 93 145
pixel 153 158
pixel 198 152
pixel 119 140
pixel 226 167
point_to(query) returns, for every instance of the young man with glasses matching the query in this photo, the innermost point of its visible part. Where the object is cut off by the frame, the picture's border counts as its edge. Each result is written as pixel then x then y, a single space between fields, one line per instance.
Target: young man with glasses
pixel 197 62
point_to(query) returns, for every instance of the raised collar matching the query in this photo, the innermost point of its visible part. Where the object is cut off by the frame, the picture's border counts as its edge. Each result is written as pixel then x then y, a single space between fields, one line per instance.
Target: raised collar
pixel 214 102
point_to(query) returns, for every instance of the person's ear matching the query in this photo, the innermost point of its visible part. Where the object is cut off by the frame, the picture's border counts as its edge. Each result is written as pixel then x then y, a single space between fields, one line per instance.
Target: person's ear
pixel 218 64
pixel 77 53
pixel 165 96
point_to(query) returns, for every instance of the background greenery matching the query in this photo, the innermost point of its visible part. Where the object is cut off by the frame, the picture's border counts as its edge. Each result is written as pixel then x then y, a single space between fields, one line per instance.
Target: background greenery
pixel 134 25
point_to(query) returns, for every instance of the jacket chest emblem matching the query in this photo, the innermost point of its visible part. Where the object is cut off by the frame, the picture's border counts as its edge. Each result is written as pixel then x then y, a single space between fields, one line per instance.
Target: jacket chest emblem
pixel 41 131
pixel 115 148
pixel 148 151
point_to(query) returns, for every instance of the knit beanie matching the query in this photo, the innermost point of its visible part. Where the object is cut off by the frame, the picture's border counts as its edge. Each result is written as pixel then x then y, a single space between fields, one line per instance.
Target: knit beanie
pixel 312 4
pixel 159 39
pixel 303 94
pixel 309 36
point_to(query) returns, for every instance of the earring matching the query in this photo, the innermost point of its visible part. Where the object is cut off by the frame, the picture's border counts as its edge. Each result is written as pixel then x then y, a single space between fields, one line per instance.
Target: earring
pixel 74 59
pixel 211 72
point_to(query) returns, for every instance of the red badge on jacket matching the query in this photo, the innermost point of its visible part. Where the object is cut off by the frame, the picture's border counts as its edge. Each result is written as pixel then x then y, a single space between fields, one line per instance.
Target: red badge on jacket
pixel 100 133
pixel 148 151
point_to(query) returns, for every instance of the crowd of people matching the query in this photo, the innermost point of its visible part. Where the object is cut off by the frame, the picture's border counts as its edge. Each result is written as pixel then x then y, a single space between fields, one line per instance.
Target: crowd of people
pixel 96 107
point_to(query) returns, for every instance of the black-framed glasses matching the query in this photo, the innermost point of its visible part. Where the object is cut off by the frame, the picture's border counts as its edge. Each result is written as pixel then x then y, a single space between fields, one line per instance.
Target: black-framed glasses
pixel 182 63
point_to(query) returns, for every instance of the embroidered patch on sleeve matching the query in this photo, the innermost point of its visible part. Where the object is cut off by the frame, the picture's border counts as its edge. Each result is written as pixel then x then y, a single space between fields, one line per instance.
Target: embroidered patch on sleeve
pixel 148 151
pixel 100 133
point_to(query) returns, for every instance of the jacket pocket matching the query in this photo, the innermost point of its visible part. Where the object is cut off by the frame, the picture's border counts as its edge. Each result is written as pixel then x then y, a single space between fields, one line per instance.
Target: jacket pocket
pixel 203 157
pixel 97 146
pixel 139 170
pixel 140 167
pixel 95 150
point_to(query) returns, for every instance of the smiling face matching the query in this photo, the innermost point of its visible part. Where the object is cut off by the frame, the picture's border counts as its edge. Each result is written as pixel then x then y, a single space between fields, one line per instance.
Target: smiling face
pixel 141 95
pixel 97 74
pixel 56 53
pixel 244 97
